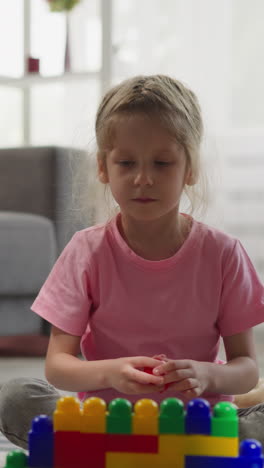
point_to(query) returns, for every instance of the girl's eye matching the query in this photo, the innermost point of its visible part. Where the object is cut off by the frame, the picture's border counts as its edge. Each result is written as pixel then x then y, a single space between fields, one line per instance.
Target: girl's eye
pixel 126 163
pixel 162 163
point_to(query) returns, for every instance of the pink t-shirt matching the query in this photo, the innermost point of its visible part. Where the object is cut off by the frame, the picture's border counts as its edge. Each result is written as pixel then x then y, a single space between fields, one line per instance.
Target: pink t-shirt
pixel 124 305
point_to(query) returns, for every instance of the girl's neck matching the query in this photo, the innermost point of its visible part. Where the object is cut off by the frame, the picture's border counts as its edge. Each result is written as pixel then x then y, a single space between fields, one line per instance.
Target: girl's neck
pixel 155 240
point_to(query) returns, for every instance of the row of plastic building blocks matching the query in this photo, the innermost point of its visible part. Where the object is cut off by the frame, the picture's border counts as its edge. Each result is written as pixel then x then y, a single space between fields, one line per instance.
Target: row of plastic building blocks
pixel 144 436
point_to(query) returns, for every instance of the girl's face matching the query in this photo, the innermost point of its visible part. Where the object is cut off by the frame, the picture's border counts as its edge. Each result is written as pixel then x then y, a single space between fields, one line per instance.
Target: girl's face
pixel 145 168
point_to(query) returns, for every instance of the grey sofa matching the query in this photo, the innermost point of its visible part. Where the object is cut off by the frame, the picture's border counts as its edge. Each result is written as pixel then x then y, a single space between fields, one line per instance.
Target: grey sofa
pixel 35 225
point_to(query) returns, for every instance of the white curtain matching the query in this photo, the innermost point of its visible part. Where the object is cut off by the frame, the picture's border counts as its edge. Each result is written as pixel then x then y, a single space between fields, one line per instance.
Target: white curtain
pixel 217 48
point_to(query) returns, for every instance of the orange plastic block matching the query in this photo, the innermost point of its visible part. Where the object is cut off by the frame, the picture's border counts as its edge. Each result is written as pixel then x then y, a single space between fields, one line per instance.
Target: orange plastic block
pixel 145 417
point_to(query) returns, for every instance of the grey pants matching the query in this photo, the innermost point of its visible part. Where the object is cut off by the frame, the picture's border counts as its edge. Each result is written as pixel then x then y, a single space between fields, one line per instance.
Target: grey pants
pixel 23 399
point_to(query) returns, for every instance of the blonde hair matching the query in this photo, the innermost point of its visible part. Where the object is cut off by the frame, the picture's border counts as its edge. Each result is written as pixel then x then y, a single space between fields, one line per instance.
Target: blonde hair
pixel 177 109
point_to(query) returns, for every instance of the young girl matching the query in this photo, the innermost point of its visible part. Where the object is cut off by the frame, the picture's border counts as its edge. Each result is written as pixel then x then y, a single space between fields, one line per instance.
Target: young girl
pixel 152 287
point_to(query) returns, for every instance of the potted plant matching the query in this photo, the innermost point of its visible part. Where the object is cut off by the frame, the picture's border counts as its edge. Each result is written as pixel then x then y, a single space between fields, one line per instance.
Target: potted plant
pixel 64 5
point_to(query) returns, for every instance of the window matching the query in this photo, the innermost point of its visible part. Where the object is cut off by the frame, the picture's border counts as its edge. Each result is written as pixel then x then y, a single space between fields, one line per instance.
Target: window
pixel 214 47
pixel 59 111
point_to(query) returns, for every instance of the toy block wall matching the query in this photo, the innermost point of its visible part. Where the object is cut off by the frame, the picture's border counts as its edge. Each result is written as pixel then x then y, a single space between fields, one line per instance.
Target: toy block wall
pixel 146 435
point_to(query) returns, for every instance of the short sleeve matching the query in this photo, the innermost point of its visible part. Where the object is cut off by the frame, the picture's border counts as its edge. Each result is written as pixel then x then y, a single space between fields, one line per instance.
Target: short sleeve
pixel 242 297
pixel 65 298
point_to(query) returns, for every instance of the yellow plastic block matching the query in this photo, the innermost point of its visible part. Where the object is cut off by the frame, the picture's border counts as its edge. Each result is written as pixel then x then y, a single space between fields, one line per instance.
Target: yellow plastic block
pixel 134 460
pixel 212 446
pixel 67 416
pixel 145 417
pixel 94 416
pixel 172 450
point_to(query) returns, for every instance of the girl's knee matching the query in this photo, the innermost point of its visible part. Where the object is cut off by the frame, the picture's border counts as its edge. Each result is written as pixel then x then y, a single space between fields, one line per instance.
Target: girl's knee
pixel 11 392
pixel 21 395
pixel 251 426
pixel 21 400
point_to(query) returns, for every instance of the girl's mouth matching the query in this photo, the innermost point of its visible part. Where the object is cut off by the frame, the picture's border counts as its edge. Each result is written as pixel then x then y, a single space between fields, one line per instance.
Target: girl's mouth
pixel 144 200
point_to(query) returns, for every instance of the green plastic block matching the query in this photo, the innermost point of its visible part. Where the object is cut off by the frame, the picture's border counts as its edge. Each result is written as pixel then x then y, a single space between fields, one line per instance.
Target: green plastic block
pixel 16 459
pixel 119 417
pixel 171 418
pixel 225 420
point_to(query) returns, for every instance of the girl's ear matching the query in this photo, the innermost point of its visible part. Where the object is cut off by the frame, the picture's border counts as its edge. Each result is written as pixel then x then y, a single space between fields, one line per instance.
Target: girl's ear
pixel 102 171
pixel 189 177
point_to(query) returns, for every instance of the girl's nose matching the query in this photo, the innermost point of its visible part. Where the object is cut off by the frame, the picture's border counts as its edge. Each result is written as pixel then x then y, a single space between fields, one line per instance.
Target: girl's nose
pixel 143 177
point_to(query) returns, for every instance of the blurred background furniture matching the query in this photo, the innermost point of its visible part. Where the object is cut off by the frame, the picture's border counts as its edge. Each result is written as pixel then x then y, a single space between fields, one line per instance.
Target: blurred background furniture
pixel 35 225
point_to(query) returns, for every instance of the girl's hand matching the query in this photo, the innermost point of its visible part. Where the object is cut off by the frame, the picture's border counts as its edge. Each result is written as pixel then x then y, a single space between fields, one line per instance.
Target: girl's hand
pixel 127 375
pixel 186 376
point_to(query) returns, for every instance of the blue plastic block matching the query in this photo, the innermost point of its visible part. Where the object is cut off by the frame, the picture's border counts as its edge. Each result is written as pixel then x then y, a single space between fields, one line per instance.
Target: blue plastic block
pixel 212 462
pixel 40 441
pixel 250 454
pixel 198 417
pixel 250 457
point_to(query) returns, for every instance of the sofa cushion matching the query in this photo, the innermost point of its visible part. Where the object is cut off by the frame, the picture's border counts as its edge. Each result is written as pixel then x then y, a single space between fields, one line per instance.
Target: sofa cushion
pixel 28 180
pixel 16 318
pixel 38 180
pixel 27 252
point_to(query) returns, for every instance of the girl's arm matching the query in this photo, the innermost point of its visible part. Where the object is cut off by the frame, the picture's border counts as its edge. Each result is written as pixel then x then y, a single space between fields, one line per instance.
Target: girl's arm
pixel 66 371
pixel 63 368
pixel 238 375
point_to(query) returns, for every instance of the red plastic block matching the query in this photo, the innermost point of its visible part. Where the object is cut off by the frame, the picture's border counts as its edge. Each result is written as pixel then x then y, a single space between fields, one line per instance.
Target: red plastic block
pixel 149 370
pixel 72 448
pixel 67 449
pixel 93 450
pixel 132 443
